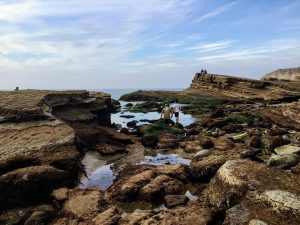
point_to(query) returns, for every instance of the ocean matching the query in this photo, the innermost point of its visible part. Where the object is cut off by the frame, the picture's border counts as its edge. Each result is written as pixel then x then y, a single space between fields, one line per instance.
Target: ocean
pixel 117 93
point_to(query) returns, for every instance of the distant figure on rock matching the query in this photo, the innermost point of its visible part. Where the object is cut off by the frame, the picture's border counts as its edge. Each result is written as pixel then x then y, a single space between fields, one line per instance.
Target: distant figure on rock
pixel 176 109
pixel 203 71
pixel 167 114
pixel 17 88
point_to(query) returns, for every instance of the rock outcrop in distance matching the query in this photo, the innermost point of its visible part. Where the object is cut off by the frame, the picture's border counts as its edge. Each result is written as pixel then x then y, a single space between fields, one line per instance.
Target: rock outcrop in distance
pixel 288 74
pixel 287 115
pixel 242 88
pixel 42 136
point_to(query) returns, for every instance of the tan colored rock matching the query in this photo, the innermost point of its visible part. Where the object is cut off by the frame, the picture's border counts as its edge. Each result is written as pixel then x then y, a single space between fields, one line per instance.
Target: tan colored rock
pixel 20 215
pixel 127 187
pixel 162 185
pixel 286 115
pixel 287 149
pixel 175 200
pixel 239 137
pixel 178 171
pixel 289 74
pixel 84 203
pixel 193 214
pixel 223 144
pixel 136 218
pixel 281 201
pixel 138 180
pixel 284 161
pixel 108 217
pixel 60 194
pixel 237 87
pixel 256 192
pixel 257 222
pixel 272 142
pixel 203 153
pixel 205 168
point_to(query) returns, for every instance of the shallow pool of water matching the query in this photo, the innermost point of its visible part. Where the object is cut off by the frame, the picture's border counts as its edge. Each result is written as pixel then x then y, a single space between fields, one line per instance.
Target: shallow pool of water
pixel 99 169
pixel 162 159
pixel 100 172
pixel 185 119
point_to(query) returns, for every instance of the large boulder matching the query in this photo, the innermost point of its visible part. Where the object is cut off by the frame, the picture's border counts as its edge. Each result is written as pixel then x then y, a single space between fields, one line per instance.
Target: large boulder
pixel 85 204
pixel 252 191
pixel 204 168
pixel 147 183
pixel 30 184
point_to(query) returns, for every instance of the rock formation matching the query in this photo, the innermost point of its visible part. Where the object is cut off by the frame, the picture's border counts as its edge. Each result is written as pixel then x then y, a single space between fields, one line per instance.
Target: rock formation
pixel 242 88
pixel 238 165
pixel 41 136
pixel 289 74
pixel 286 115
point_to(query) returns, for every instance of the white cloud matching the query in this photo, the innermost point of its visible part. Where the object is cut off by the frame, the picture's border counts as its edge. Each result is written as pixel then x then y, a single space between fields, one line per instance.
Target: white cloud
pixel 208 47
pixel 92 43
pixel 217 11
pixel 267 51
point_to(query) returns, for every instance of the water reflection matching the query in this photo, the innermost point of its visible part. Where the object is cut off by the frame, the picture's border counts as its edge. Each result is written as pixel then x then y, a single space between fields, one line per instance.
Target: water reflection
pixel 185 119
pixel 161 159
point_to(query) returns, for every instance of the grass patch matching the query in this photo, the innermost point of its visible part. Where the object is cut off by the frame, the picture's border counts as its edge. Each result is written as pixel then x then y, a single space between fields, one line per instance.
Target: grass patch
pixel 159 127
pixel 197 104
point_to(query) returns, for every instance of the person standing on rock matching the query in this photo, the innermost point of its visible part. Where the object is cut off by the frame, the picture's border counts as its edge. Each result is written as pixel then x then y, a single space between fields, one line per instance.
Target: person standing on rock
pixel 176 109
pixel 167 114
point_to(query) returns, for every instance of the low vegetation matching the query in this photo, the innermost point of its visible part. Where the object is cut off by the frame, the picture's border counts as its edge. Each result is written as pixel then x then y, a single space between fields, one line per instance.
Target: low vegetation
pixel 154 100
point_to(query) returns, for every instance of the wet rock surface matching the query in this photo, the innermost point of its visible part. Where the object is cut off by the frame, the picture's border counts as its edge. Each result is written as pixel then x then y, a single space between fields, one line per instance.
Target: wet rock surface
pixel 234 166
pixel 43 134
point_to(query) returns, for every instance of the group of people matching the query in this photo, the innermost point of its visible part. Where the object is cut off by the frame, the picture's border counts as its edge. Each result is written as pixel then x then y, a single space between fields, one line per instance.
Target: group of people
pixel 203 71
pixel 168 112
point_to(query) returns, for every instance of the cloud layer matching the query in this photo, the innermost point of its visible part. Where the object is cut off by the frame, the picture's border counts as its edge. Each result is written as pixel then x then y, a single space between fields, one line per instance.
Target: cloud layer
pixel 58 44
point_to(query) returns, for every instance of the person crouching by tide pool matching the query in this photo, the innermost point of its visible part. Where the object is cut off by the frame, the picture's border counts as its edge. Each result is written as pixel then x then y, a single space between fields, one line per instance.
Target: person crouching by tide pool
pixel 167 114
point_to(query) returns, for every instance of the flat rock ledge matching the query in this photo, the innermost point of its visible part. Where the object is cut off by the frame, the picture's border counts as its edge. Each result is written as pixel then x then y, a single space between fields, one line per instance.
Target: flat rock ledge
pixel 42 136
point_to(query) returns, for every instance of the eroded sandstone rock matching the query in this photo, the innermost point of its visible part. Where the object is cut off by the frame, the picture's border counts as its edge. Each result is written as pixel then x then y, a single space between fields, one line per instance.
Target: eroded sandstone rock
pixel 255 191
pixel 237 87
pixel 85 204
pixel 203 168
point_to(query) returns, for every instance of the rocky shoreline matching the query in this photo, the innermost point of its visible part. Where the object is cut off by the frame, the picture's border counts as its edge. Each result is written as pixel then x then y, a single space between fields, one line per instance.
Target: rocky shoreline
pixel 244 158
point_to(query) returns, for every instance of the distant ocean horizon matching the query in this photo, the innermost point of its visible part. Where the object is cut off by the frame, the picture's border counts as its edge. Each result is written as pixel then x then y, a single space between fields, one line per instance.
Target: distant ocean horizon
pixel 116 93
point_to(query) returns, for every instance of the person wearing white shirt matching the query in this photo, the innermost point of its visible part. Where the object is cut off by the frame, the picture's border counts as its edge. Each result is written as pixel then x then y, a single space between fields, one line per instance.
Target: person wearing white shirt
pixel 176 110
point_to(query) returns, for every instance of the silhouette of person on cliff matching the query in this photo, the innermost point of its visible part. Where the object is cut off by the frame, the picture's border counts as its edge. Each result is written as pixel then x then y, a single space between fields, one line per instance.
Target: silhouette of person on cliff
pixel 17 88
pixel 167 114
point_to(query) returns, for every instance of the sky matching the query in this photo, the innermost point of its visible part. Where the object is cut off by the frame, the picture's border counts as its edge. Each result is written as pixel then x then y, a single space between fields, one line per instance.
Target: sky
pixel 96 44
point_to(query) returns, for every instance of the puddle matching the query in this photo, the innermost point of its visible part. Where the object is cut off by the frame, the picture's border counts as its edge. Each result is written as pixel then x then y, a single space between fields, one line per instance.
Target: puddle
pixel 103 178
pixel 100 173
pixel 161 159
pixel 98 170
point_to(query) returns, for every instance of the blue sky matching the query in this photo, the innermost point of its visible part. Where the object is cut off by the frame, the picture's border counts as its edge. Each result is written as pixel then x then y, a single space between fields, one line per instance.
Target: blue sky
pixel 89 44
